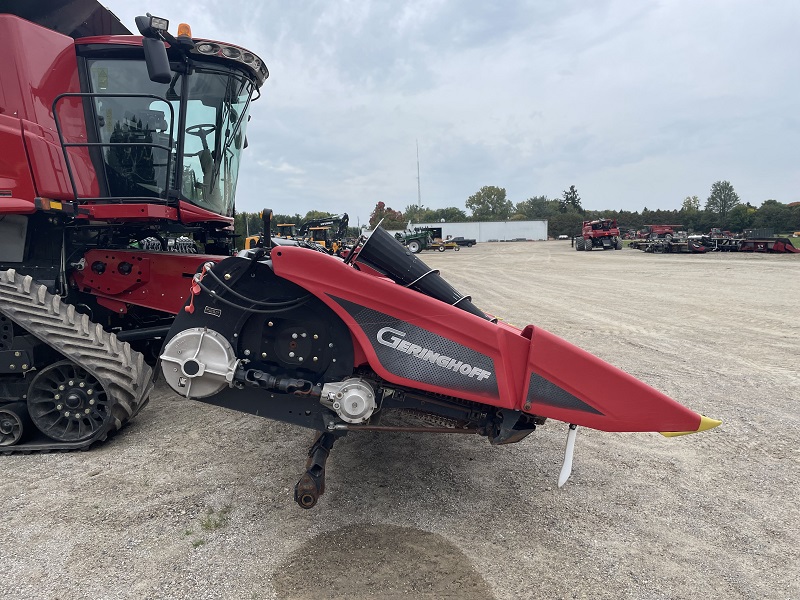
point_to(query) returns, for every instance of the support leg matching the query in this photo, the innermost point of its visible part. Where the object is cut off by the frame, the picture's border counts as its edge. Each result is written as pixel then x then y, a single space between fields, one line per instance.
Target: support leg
pixel 312 484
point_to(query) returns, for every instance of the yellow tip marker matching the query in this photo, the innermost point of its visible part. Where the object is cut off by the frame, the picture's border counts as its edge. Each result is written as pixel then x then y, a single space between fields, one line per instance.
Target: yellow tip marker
pixel 705 424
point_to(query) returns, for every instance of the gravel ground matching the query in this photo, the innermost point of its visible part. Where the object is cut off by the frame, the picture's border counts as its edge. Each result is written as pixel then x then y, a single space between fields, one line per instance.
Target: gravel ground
pixel 193 501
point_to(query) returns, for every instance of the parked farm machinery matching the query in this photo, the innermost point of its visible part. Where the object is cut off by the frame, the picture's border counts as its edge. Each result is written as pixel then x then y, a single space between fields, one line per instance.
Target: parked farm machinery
pixel 659 232
pixel 700 244
pixel 420 238
pixel 343 346
pixel 118 216
pixel 601 233
pixel 680 243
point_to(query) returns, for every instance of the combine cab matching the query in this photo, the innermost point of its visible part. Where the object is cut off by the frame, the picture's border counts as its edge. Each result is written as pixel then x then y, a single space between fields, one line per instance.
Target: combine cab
pixel 117 179
pixel 602 233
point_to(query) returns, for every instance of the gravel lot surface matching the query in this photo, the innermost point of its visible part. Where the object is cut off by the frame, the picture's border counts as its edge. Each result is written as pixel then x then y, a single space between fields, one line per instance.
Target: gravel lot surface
pixel 193 501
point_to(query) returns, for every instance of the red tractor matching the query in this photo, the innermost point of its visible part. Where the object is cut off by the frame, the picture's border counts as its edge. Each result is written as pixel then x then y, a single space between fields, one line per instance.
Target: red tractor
pixel 602 233
pixel 117 179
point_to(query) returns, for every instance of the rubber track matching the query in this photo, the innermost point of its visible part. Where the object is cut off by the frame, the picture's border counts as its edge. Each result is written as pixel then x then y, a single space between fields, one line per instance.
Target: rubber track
pixel 122 371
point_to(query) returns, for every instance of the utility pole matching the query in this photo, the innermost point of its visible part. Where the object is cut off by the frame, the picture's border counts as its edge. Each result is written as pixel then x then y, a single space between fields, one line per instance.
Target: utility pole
pixel 419 189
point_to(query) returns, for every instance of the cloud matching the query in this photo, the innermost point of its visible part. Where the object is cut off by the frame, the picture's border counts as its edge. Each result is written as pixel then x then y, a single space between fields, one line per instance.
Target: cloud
pixel 282 167
pixel 635 103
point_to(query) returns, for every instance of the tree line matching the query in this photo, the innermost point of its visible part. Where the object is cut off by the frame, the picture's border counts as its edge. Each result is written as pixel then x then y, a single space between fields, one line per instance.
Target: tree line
pixel 722 209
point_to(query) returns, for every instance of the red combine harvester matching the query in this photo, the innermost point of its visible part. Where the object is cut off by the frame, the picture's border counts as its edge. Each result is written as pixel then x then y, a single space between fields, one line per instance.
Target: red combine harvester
pixel 602 233
pixel 119 151
pixel 658 232
pixel 117 180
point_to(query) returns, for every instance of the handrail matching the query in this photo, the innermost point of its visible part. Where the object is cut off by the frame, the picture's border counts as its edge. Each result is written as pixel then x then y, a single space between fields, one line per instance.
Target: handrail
pixel 113 199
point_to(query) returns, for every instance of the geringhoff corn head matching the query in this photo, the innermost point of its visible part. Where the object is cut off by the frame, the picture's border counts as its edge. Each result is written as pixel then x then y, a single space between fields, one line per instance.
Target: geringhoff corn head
pixel 337 345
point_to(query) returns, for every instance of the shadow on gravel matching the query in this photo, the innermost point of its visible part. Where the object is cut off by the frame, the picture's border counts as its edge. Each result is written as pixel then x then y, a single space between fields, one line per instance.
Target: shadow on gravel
pixel 378 561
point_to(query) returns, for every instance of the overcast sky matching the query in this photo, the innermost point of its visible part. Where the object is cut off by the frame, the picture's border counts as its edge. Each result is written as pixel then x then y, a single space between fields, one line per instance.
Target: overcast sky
pixel 635 102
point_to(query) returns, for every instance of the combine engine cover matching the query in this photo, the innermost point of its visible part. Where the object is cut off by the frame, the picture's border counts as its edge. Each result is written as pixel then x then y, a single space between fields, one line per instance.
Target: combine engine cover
pixel 368 343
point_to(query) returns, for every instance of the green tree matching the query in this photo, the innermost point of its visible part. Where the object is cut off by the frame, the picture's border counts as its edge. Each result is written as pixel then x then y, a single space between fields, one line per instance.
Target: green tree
pixel 774 215
pixel 691 204
pixel 741 217
pixel 316 214
pixel 538 207
pixel 570 199
pixel 568 223
pixel 721 200
pixel 451 214
pixel 490 204
pixel 416 213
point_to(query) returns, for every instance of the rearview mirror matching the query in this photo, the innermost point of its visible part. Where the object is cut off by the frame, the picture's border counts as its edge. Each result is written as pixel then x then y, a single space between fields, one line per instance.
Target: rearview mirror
pixel 155 55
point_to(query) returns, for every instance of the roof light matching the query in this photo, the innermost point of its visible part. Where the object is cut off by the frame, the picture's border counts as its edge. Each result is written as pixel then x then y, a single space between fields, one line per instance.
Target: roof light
pixel 184 30
pixel 207 48
pixel 159 23
pixel 231 52
pixel 151 27
pixel 227 52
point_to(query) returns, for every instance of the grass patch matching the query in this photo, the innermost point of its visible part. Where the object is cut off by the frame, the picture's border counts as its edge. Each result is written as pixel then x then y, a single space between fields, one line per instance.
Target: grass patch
pixel 214 520
pixel 198 543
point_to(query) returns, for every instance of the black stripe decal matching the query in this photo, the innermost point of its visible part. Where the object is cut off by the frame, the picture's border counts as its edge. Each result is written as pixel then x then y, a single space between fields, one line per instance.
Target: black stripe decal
pixel 543 391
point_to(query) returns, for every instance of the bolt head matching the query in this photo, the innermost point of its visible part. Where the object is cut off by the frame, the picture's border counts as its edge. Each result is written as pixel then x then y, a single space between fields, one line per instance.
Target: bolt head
pixel 59 407
pixel 16 354
pixel 294 336
pixel 90 392
pixel 247 352
pixel 82 384
pixel 291 354
pixel 71 383
pixel 91 400
pixel 316 337
pixel 61 387
pixel 66 413
pixel 87 411
pixel 57 397
pixel 24 366
pixel 300 358
pixel 263 355
pixel 227 276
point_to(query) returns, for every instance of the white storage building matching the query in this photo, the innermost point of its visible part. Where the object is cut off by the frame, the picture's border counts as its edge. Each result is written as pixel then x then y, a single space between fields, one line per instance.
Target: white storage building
pixel 489 231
